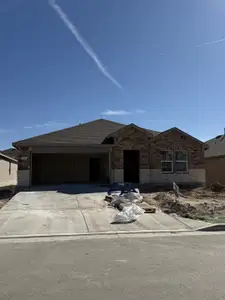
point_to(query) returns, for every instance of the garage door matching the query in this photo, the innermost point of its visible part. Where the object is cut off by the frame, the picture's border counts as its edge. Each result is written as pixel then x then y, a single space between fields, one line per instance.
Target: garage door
pixel 59 168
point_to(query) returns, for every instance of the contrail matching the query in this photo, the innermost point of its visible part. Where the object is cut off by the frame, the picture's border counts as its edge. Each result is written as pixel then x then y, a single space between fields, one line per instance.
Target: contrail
pixel 82 41
pixel 211 42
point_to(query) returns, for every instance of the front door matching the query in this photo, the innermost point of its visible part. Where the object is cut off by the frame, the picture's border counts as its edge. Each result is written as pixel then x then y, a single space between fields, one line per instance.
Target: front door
pixel 94 169
pixel 131 165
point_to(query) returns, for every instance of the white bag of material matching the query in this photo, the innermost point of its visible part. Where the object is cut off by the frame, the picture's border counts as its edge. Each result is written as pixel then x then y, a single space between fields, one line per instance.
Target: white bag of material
pixel 129 214
pixel 133 197
pixel 117 199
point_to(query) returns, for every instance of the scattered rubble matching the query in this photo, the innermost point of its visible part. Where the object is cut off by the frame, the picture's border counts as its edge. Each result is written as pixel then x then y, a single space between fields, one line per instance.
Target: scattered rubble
pixel 200 203
pixel 217 187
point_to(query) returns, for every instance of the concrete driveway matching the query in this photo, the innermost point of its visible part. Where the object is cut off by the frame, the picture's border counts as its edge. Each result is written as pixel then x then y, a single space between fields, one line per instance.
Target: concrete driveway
pixel 64 210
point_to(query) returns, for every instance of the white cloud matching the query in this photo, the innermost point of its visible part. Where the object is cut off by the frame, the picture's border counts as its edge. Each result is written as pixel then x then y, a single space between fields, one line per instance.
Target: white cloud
pixel 211 42
pixel 47 124
pixel 82 42
pixel 116 112
pixel 140 111
pixel 120 112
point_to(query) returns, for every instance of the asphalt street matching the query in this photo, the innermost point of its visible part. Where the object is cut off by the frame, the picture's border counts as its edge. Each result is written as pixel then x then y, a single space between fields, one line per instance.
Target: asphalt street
pixel 184 267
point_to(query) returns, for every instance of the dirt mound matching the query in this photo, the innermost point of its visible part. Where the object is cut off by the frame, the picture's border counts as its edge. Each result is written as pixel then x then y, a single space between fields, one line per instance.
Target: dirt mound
pixel 217 187
pixel 168 204
pixel 189 207
pixel 164 196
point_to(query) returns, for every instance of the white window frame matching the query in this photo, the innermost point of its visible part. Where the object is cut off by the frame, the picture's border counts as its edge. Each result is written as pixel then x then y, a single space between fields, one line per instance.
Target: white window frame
pixel 167 161
pixel 181 161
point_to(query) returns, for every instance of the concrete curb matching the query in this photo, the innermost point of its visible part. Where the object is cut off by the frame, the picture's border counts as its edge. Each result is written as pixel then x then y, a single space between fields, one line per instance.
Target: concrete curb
pixel 213 227
pixel 181 221
pixel 30 236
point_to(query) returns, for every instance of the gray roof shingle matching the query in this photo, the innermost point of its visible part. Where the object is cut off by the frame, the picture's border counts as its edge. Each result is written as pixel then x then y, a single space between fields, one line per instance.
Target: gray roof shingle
pixel 11 152
pixel 90 133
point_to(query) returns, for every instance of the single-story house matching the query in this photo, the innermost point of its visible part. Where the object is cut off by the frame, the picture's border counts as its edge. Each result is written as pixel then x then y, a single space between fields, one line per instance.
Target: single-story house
pixel 8 170
pixel 11 152
pixel 105 151
pixel 215 160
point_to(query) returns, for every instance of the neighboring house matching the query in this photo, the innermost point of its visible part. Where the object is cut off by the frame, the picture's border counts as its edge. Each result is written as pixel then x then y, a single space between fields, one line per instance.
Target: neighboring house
pixel 11 152
pixel 105 151
pixel 215 160
pixel 8 170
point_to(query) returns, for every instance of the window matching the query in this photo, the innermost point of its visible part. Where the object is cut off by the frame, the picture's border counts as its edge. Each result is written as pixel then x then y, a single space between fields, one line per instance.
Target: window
pixel 167 161
pixel 181 161
pixel 10 166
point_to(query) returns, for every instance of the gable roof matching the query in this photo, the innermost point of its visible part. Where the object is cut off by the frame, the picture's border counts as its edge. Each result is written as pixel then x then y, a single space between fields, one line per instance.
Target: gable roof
pixel 11 152
pixel 93 132
pixel 180 131
pixel 148 131
pixel 7 158
pixel 90 133
pixel 215 146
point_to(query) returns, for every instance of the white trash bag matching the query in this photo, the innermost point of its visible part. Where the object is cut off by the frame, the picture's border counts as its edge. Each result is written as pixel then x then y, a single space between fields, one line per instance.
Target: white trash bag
pixel 129 214
pixel 133 197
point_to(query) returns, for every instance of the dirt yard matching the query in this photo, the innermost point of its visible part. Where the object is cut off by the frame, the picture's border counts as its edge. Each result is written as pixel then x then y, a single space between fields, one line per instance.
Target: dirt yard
pixel 201 203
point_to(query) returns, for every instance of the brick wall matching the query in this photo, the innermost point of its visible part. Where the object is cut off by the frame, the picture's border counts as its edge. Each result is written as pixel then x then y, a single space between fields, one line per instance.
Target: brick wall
pixel 175 140
pixel 131 138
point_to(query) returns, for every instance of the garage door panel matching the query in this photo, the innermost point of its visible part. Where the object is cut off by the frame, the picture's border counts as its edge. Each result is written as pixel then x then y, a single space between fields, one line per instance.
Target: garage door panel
pixel 60 168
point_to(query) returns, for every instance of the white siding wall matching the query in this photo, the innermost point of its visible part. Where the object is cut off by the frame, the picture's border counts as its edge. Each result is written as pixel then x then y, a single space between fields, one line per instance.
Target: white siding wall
pixel 7 177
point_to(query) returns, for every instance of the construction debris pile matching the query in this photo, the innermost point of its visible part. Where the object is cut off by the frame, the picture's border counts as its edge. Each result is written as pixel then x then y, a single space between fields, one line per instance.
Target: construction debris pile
pixel 125 198
pixel 200 203
pixel 169 205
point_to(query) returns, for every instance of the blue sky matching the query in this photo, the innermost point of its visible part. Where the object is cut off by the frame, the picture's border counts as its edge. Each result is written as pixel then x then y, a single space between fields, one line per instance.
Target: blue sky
pixel 156 63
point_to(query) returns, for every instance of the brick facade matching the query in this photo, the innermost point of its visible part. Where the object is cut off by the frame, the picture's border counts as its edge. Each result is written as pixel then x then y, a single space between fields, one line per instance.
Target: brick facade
pixel 175 140
pixel 150 147
pixel 134 138
pixel 131 138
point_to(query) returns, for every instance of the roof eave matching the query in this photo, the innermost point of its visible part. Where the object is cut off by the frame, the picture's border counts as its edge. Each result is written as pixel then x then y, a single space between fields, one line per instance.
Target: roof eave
pixel 60 145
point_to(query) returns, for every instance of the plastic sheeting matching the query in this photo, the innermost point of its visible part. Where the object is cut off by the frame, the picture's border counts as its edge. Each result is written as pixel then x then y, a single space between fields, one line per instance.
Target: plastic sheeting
pixel 130 213
pixel 117 197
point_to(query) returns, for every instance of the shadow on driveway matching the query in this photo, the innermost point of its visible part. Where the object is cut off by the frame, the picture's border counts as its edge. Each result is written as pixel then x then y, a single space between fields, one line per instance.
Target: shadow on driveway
pixel 71 189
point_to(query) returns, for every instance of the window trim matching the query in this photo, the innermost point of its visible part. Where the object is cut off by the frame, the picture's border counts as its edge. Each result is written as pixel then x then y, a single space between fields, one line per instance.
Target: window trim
pixel 181 161
pixel 168 161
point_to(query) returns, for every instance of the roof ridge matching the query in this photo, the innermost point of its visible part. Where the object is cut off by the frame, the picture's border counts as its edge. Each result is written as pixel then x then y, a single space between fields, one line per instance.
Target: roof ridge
pixel 69 128
pixel 102 119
